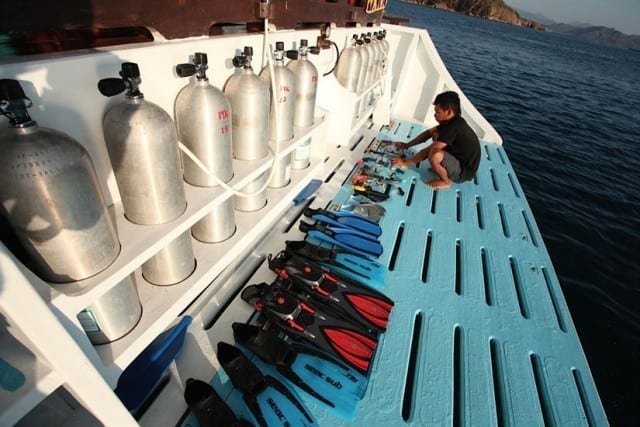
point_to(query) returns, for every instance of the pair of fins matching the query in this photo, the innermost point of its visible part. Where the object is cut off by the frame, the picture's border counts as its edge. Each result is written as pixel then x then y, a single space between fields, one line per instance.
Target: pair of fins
pixel 344 229
pixel 333 384
pixel 339 296
pixel 312 318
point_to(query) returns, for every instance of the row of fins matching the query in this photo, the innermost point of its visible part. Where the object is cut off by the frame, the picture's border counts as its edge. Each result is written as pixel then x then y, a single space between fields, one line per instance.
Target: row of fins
pixel 317 329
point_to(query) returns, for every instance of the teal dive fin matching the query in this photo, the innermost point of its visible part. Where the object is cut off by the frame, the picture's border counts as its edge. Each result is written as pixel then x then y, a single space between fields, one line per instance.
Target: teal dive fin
pixel 364 270
pixel 270 402
pixel 333 384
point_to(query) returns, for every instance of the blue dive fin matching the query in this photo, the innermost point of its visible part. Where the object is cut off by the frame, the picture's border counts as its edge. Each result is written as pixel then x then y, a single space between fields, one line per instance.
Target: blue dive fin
pixel 331 383
pixel 270 402
pixel 345 219
pixel 320 236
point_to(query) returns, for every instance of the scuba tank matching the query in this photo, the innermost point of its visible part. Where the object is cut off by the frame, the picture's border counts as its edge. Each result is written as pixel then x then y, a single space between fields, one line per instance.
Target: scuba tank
pixel 305 106
pixel 280 120
pixel 143 148
pixel 203 122
pixel 364 80
pixel 49 194
pixel 350 65
pixel 249 97
pixel 114 314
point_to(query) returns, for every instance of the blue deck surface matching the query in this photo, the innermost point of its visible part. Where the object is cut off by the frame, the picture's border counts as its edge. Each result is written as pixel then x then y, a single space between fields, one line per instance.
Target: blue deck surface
pixel 480 334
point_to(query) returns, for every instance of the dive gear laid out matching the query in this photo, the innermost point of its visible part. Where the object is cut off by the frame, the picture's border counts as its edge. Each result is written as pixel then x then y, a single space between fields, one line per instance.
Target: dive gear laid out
pixel 321 376
pixel 270 402
pixel 301 320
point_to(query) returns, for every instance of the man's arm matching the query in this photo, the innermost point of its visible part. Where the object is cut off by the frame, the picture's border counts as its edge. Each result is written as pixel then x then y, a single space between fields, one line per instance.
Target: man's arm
pixel 417 140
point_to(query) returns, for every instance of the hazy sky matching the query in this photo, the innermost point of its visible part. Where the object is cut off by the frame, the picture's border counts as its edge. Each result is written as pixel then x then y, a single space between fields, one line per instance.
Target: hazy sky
pixel 623 15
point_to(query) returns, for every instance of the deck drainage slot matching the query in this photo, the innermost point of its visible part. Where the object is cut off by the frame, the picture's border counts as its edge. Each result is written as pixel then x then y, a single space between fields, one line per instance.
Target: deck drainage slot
pixel 410 133
pixel 503 220
pixel 412 187
pixel 326 159
pixel 577 377
pixel 458 206
pixel 530 229
pixel 479 213
pixel 513 184
pixel 353 147
pixel 333 172
pixel 397 128
pixel 501 155
pixel 499 394
pixel 554 300
pixel 458 377
pixel 434 196
pixel 410 381
pixel 486 150
pixel 475 179
pixel 427 255
pixel 458 278
pixel 494 179
pixel 519 288
pixel 486 278
pixel 543 391
pixel 396 247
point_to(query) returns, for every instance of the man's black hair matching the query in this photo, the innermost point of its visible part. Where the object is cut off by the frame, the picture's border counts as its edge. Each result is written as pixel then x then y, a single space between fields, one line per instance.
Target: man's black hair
pixel 448 100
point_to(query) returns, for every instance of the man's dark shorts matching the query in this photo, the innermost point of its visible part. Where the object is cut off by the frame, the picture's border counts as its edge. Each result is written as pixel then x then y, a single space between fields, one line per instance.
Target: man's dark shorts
pixel 452 165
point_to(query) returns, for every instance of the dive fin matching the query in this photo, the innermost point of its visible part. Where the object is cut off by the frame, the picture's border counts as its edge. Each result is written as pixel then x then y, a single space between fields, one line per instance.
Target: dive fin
pixel 208 407
pixel 303 320
pixel 271 403
pixel 361 269
pixel 345 219
pixel 350 240
pixel 321 376
pixel 343 298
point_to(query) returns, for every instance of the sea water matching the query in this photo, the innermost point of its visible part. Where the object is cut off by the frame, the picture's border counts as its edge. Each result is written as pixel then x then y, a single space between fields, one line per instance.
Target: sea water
pixel 568 111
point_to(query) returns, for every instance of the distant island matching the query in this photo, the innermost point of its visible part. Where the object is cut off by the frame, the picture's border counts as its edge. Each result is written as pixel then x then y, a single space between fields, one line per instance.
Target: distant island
pixel 497 10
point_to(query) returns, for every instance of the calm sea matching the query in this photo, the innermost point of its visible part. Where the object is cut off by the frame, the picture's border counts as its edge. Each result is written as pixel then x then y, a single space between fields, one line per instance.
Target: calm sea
pixel 569 113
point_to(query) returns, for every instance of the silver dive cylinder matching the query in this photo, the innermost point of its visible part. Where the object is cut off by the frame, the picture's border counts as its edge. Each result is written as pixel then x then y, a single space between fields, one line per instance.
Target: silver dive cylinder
pixel 114 314
pixel 249 97
pixel 350 65
pixel 280 118
pixel 50 196
pixel 306 75
pixel 143 148
pixel 368 54
pixel 203 123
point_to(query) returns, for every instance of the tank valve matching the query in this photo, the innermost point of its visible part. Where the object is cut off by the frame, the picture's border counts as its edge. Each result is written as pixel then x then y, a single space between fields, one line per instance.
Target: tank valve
pixel 129 80
pixel 14 103
pixel 199 67
pixel 323 41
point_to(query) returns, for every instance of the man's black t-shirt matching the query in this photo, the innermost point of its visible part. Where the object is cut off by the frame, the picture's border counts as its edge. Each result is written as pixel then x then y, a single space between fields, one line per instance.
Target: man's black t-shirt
pixel 462 143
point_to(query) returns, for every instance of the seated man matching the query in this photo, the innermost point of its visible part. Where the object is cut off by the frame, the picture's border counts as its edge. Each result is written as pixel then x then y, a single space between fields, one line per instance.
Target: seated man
pixel 454 153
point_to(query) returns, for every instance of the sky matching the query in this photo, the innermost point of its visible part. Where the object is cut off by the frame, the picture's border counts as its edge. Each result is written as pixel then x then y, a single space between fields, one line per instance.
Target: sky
pixel 623 15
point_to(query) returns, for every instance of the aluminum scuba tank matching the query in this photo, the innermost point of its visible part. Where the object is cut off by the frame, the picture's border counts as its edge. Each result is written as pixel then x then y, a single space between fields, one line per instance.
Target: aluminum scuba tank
pixel 203 122
pixel 249 98
pixel 280 119
pixel 114 314
pixel 49 194
pixel 306 89
pixel 143 148
pixel 350 65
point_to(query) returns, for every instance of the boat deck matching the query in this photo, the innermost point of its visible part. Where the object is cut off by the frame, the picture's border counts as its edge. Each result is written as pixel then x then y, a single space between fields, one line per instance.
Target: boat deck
pixel 481 333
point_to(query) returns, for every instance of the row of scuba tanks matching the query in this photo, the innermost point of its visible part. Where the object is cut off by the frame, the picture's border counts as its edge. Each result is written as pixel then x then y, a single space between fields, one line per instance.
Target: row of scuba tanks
pixel 362 63
pixel 50 196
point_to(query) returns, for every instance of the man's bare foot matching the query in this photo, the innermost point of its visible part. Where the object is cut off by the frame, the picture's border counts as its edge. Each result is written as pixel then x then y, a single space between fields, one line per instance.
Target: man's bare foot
pixel 439 184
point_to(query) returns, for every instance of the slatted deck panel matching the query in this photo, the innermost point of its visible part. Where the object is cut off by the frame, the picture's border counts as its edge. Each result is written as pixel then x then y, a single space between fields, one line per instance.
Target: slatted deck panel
pixel 481 334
